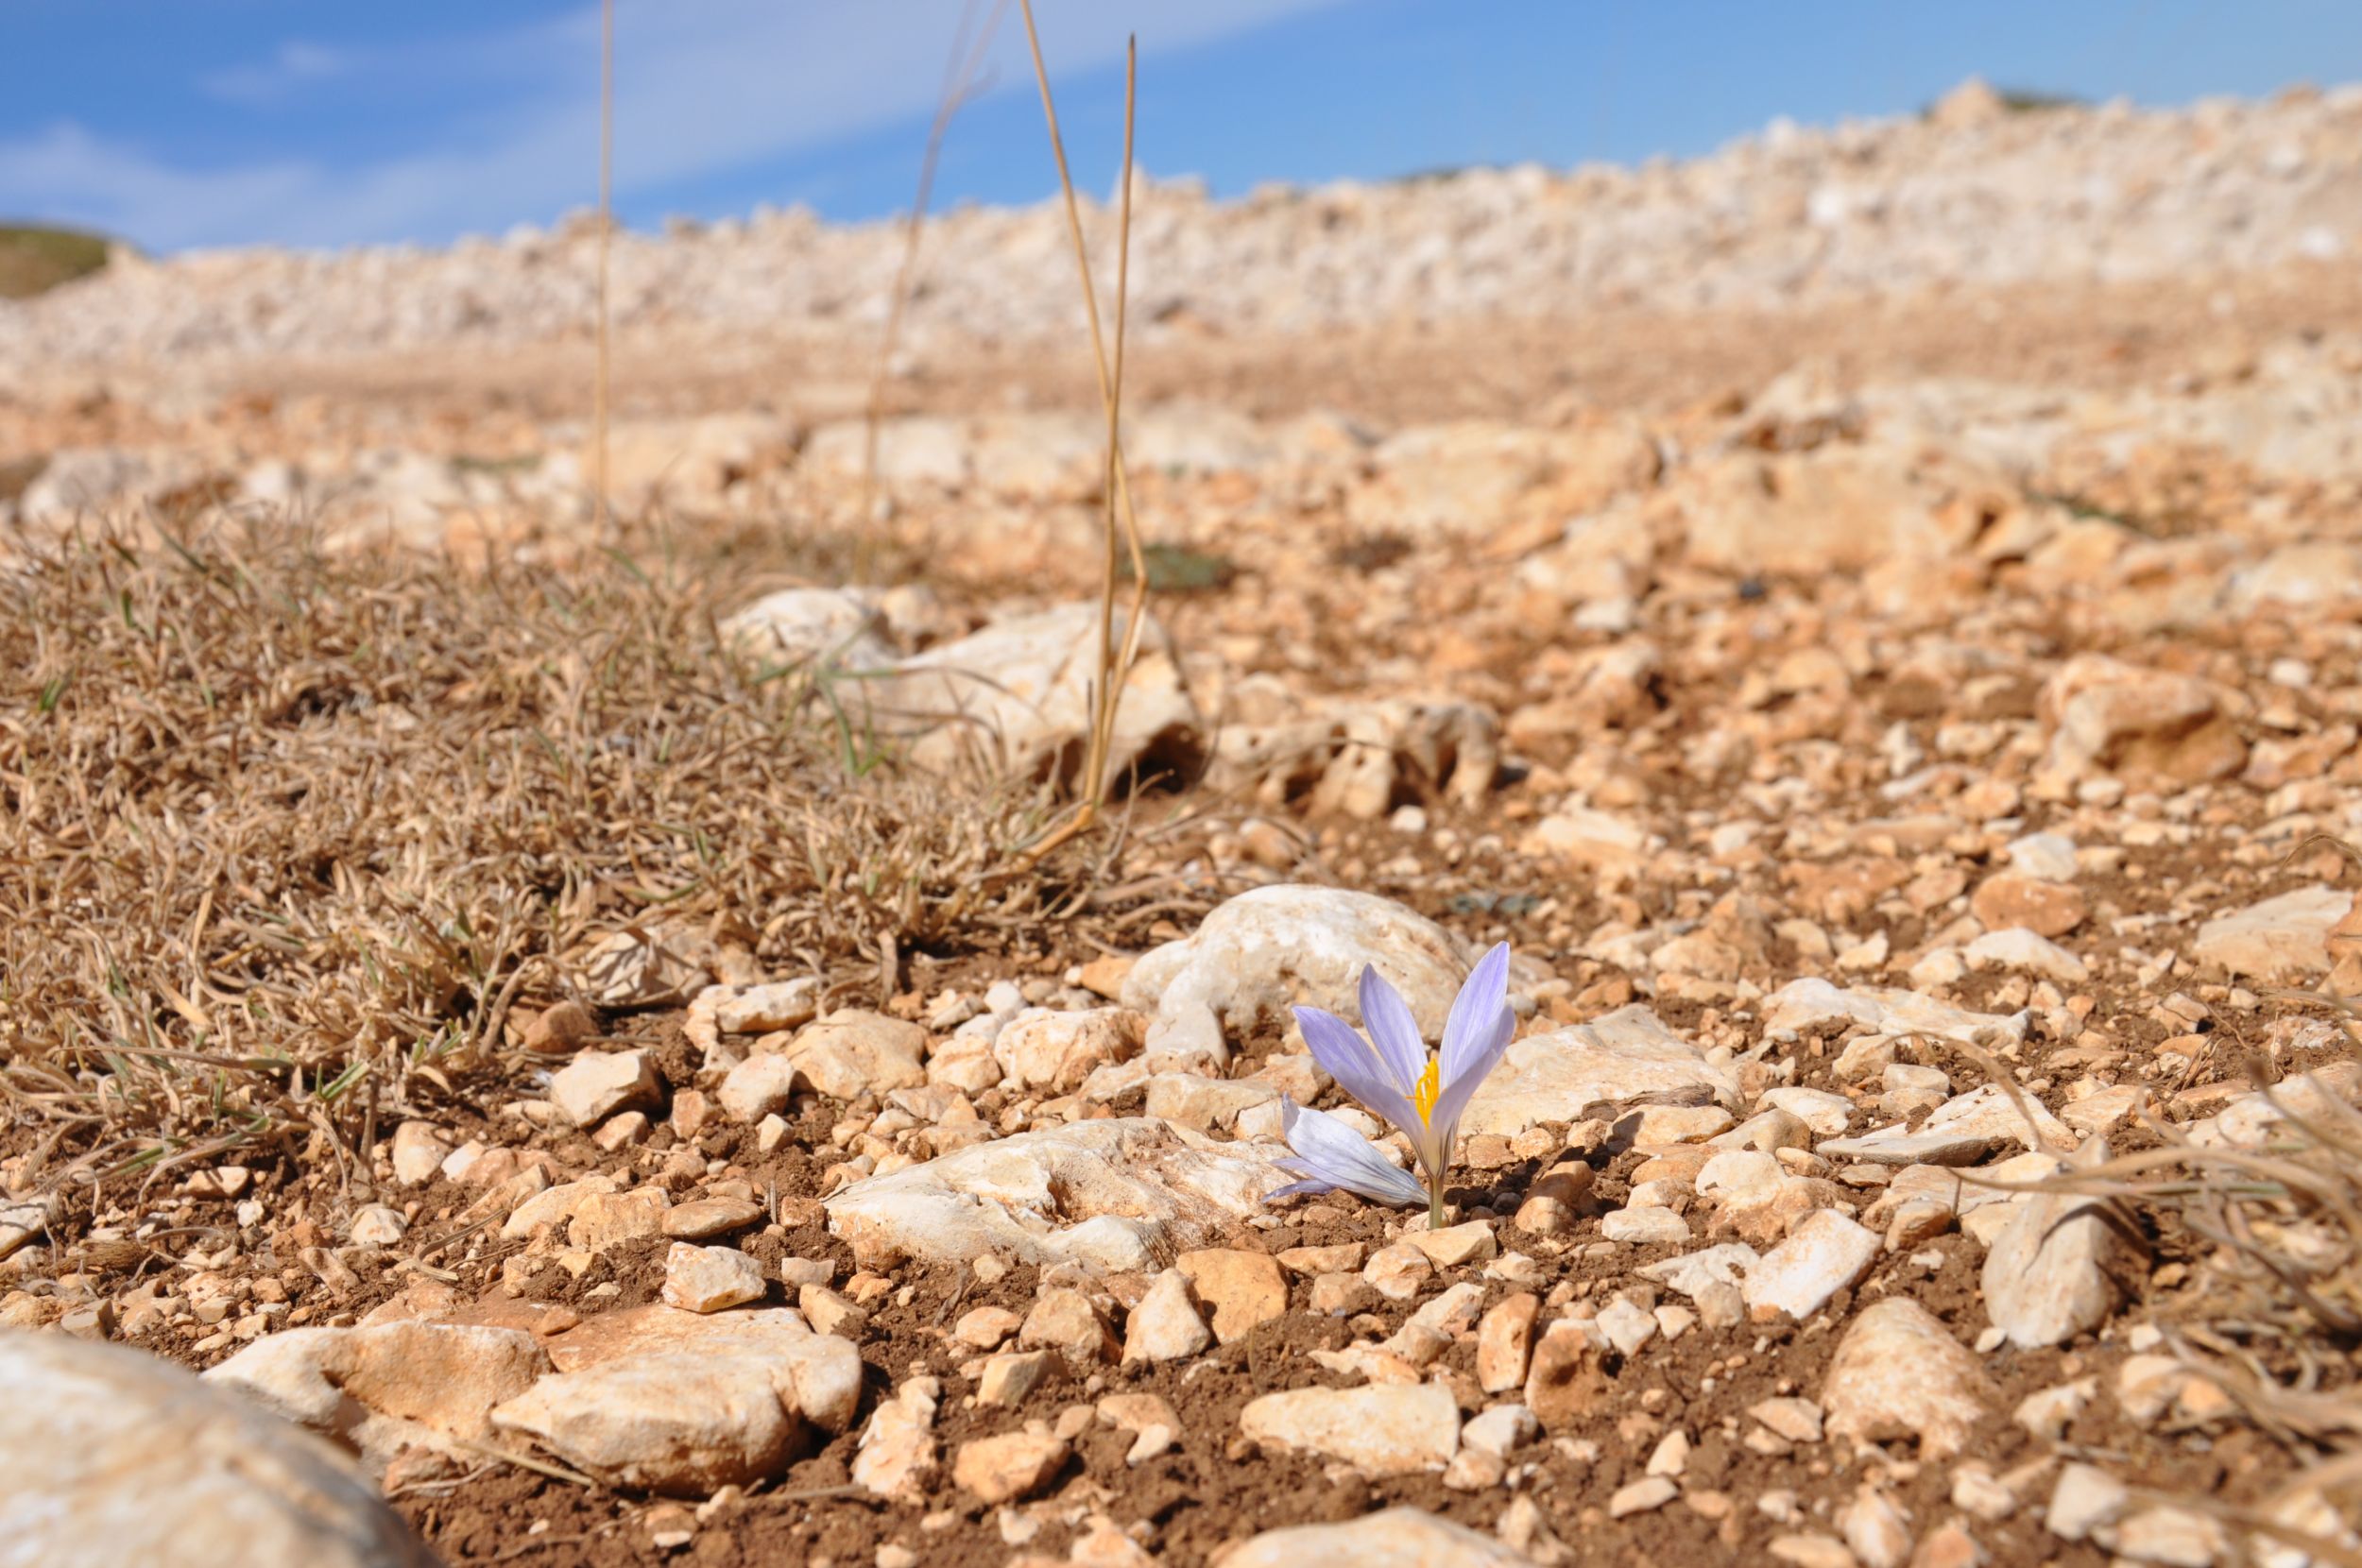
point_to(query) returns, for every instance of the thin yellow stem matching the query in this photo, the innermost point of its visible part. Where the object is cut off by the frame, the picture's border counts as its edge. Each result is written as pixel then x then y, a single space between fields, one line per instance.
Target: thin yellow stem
pixel 1110 693
pixel 1113 666
pixel 607 211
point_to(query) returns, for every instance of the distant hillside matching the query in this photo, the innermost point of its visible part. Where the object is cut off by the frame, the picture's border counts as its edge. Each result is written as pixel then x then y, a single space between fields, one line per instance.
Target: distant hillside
pixel 34 258
pixel 1988 190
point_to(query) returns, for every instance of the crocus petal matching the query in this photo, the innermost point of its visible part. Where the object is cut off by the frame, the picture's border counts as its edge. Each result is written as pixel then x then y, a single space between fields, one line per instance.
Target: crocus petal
pixel 1482 1054
pixel 1348 1059
pixel 1474 1012
pixel 1330 1154
pixel 1387 1016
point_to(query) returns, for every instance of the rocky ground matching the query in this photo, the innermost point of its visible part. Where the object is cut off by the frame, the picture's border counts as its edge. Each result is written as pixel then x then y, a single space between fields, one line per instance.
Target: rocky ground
pixel 555 1002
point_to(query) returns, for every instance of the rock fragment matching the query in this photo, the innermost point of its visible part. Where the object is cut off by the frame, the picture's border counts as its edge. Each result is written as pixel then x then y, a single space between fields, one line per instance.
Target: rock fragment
pixel 596 1084
pixel 2283 937
pixel 1109 1195
pixel 2062 1263
pixel 1506 1342
pixel 1379 1430
pixel 1066 1320
pixel 420 1150
pixel 1561 1075
pixel 710 1279
pixel 1823 1255
pixel 898 1447
pixel 1963 1131
pixel 1011 1466
pixel 2146 726
pixel 1900 1374
pixel 1394 1538
pixel 1565 1384
pixel 1274 947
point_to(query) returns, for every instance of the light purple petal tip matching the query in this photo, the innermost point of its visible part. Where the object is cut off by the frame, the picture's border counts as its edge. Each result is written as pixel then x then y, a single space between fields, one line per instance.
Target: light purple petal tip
pixel 1394 1031
pixel 1475 1011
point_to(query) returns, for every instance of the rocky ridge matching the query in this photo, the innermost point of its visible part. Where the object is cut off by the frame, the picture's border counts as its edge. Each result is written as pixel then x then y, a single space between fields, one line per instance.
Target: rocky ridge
pixel 1973 193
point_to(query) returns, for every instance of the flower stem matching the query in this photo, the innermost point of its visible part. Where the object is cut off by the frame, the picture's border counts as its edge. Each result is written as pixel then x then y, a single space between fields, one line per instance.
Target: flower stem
pixel 1435 1204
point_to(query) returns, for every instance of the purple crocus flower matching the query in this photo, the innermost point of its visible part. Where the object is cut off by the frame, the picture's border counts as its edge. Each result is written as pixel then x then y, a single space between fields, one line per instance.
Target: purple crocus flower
pixel 1397 1077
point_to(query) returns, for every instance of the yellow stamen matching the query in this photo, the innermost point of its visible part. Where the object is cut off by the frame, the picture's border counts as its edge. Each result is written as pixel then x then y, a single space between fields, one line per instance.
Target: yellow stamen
pixel 1429 1089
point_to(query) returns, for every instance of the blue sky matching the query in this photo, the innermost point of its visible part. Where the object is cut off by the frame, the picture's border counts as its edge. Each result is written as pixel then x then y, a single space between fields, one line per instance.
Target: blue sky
pixel 182 123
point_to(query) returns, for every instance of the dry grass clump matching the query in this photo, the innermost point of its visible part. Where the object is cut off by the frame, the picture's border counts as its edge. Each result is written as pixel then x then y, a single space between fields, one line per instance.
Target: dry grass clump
pixel 285 833
pixel 2274 1320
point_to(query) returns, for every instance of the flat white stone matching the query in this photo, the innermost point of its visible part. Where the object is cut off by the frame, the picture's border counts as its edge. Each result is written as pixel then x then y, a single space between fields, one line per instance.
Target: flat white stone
pixel 1566 1074
pixel 1963 1131
pixel 1382 1429
pixel 1396 1537
pixel 1821 1256
pixel 2281 938
pixel 2029 953
pixel 1803 1004
pixel 1113 1195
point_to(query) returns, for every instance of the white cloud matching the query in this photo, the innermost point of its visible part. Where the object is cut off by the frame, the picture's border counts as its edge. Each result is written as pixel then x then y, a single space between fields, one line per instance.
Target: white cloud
pixel 66 174
pixel 295 64
pixel 699 91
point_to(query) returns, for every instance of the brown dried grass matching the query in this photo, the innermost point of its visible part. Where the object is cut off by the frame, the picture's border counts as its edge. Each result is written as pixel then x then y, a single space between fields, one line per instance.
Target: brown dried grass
pixel 286 834
pixel 2274 1319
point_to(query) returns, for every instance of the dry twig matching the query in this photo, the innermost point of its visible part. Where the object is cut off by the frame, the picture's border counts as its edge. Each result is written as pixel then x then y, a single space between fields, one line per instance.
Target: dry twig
pixel 1123 528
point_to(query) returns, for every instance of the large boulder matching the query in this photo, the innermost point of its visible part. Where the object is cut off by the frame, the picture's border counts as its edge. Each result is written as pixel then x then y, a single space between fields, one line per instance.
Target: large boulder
pixel 1275 947
pixel 111 1456
pixel 1019 692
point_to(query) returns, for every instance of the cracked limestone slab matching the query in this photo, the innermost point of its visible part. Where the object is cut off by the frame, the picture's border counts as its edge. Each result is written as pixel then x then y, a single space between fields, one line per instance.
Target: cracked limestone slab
pixel 1802 1004
pixel 1963 1131
pixel 1117 1195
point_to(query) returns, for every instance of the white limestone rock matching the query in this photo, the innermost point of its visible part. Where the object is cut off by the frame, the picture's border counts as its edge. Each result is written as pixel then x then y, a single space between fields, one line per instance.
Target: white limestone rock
pixel 112 1455
pixel 1275 947
pixel 1568 1073
pixel 1115 1195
